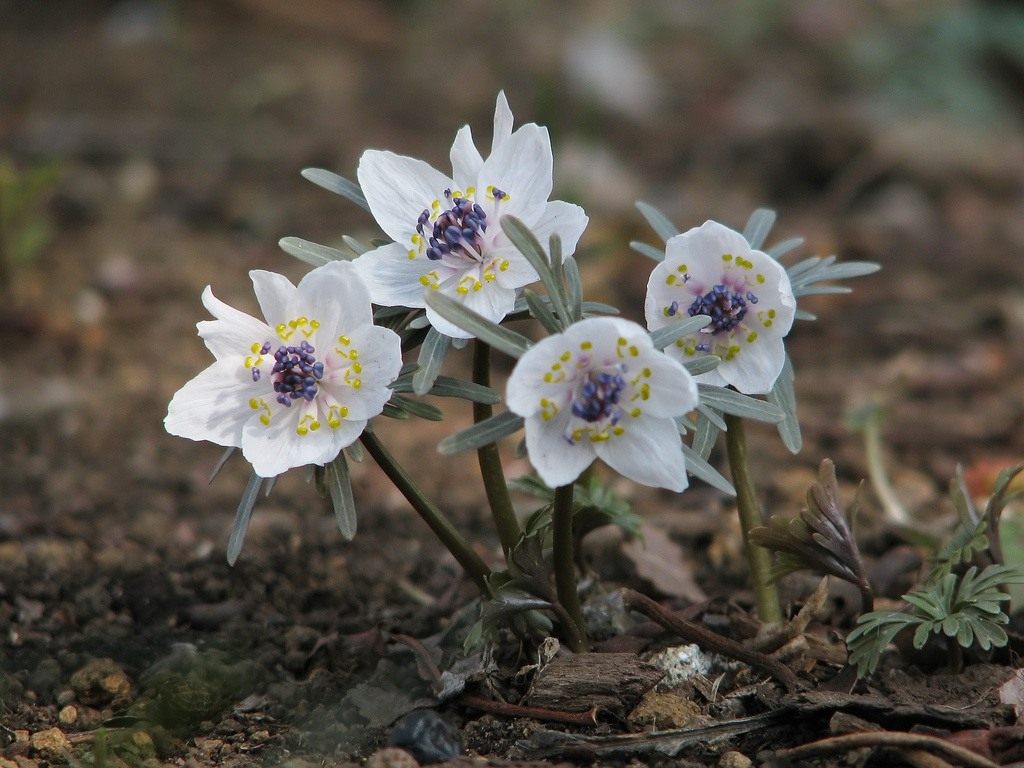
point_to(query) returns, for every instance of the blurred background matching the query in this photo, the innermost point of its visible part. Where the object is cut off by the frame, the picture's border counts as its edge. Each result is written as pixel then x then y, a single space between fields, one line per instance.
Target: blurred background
pixel 151 147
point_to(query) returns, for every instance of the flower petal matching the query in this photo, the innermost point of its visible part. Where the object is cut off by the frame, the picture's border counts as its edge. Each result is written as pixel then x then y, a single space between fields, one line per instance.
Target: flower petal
pixel 335 295
pixel 380 360
pixel 233 332
pixel 527 384
pixel 557 461
pixel 214 405
pixel 521 166
pixel 701 249
pixel 672 391
pixel 277 296
pixel 275 448
pixel 392 278
pixel 466 159
pixel 398 189
pixel 648 451
pixel 503 122
pixel 754 369
pixel 563 219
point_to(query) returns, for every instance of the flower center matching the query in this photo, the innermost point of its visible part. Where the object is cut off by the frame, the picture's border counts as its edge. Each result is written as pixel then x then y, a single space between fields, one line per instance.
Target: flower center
pixel 597 397
pixel 296 373
pixel 458 230
pixel 724 306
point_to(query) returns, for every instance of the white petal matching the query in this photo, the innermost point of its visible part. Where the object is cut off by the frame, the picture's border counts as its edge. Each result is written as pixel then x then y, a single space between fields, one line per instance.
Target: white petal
pixel 392 277
pixel 335 295
pixel 398 189
pixel 701 249
pixel 233 332
pixel 557 461
pixel 756 366
pixel 275 448
pixel 527 386
pixel 492 301
pixel 672 389
pixel 517 272
pixel 648 451
pixel 503 122
pixel 603 334
pixel 277 296
pixel 563 219
pixel 214 405
pixel 521 167
pixel 466 159
pixel 380 359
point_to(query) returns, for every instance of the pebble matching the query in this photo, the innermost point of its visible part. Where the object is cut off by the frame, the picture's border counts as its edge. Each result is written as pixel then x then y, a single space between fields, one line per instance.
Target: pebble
pixel 68 715
pixel 50 743
pixel 429 738
pixel 733 759
pixel 102 682
pixel 391 757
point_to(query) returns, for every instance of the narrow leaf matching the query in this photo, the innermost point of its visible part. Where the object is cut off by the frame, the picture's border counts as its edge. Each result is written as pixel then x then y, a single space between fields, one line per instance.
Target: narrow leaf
pixel 598 308
pixel 712 415
pixel 659 222
pixel 339 185
pixel 697 466
pixel 446 386
pixel 339 483
pixel 526 242
pixel 228 453
pixel 312 253
pixel 704 437
pixel 432 353
pixel 356 246
pixel 737 404
pixel 648 250
pixel 417 408
pixel 242 516
pixel 541 312
pixel 670 333
pixel 758 226
pixel 784 396
pixel 482 433
pixel 780 249
pixel 698 365
pixel 574 287
pixel 508 341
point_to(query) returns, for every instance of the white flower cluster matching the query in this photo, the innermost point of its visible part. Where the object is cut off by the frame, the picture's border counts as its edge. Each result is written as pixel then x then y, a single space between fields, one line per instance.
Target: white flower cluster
pixel 297 387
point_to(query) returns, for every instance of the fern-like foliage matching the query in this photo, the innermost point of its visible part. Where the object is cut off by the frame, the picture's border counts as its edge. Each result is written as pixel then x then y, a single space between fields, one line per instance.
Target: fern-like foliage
pixel 820 539
pixel 965 608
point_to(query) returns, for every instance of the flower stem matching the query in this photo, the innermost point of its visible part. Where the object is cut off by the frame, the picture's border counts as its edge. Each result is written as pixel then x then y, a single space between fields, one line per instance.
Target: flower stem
pixel 565 568
pixel 759 558
pixel 432 516
pixel 490 460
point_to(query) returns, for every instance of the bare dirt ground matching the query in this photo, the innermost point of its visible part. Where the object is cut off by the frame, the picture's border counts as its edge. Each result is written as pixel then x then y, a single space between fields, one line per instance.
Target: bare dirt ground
pixel 178 130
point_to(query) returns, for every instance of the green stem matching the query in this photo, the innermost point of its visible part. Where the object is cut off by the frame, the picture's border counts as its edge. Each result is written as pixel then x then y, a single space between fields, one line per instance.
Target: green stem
pixel 565 568
pixel 432 516
pixel 490 460
pixel 759 558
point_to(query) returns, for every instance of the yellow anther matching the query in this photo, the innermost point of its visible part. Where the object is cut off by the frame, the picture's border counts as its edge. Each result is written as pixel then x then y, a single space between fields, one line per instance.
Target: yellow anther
pixel 682 269
pixel 254 403
pixel 462 289
pixel 633 351
pixel 416 239
pixel 556 366
pixel 314 324
pixel 670 280
pixel 470 191
pixel 411 254
pixel 585 345
pixel 771 313
pixel 646 373
pixel 265 420
pixel 357 367
pixel 424 281
pixel 436 204
pixel 622 342
pixel 353 354
pixel 565 357
pixel 256 347
pixel 726 257
pixel 504 265
pixel 344 341
pixel 617 431
pixel 635 412
pixel 760 278
pixel 751 337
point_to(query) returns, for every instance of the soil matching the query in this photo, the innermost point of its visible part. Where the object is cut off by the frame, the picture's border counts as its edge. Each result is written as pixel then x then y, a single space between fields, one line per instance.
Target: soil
pixel 178 130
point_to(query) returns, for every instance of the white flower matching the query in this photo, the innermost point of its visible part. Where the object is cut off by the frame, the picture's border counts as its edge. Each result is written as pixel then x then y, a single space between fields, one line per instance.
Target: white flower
pixel 601 389
pixel 712 270
pixel 295 389
pixel 446 229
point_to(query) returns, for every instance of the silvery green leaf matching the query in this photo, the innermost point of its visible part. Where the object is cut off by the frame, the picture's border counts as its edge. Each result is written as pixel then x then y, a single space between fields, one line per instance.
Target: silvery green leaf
pixel 648 250
pixel 504 339
pixel 339 185
pixel 242 516
pixel 419 322
pixel 758 226
pixel 697 466
pixel 417 408
pixel 668 334
pixel 844 270
pixel 526 242
pixel 393 411
pixel 659 222
pixel 356 246
pixel 482 433
pixel 382 313
pixel 268 486
pixel 446 386
pixel 598 308
pixel 540 311
pixel 784 396
pixel 712 415
pixel 803 314
pixel 738 404
pixel 339 484
pixel 356 452
pixel 574 287
pixel 814 289
pixel 801 268
pixel 781 249
pixel 432 353
pixel 704 436
pixel 228 453
pixel 312 253
pixel 555 252
pixel 698 365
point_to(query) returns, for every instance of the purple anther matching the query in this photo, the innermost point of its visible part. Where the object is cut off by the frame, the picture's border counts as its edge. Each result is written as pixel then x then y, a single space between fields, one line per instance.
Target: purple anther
pixel 751 297
pixel 318 370
pixel 255 374
pixel 265 349
pixel 673 308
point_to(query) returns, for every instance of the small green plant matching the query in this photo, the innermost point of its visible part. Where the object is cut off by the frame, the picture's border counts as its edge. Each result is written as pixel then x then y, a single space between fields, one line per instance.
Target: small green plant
pixel 963 608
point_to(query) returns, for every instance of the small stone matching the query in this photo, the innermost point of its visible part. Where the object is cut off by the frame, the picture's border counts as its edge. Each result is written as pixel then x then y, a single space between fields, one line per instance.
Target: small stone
pixel 733 759
pixel 50 743
pixel 210 746
pixel 260 736
pixel 143 742
pixel 7 763
pixel 25 762
pixel 664 710
pixel 391 757
pixel 102 682
pixel 65 697
pixel 68 715
pixel 428 737
pixel 21 736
